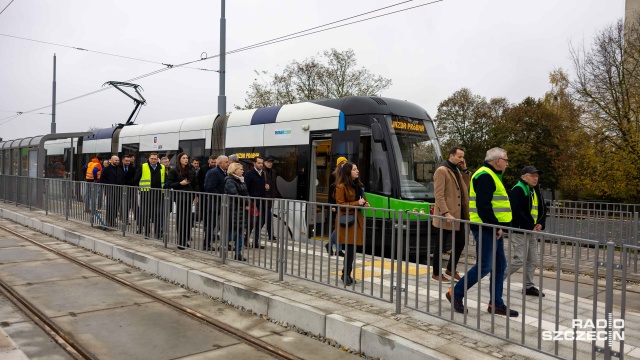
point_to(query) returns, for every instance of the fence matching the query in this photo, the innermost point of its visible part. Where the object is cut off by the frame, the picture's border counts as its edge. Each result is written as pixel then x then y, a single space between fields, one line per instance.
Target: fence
pixel 386 253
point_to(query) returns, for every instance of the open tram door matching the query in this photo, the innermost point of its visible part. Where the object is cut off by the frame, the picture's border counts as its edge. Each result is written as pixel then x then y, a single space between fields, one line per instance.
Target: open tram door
pixel 324 155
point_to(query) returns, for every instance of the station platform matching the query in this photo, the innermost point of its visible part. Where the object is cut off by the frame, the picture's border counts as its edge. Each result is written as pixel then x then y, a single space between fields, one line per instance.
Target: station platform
pixel 364 324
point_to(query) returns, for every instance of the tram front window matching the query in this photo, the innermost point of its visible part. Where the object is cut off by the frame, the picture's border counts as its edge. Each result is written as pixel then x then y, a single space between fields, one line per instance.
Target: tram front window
pixel 417 153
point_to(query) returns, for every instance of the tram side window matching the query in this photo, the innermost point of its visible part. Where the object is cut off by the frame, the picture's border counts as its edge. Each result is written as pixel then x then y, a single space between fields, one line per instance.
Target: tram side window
pixel 373 163
pixel 288 168
pixel 131 149
pixel 195 149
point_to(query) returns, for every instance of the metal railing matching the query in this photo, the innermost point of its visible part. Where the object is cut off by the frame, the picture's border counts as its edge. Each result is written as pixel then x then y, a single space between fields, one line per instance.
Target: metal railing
pixel 382 249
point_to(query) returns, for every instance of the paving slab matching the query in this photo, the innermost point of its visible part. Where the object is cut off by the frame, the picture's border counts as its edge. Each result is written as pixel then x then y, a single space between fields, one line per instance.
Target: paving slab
pixel 30 272
pixel 61 297
pixel 152 331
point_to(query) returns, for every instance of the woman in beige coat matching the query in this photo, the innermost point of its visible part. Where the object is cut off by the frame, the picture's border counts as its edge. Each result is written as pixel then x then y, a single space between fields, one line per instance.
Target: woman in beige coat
pixel 349 231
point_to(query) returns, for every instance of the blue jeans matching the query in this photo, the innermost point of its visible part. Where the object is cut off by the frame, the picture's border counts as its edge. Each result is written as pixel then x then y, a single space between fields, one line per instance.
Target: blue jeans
pixel 485 260
pixel 332 241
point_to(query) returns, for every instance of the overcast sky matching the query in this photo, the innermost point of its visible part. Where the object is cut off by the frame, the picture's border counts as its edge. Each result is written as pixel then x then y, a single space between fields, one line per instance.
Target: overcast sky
pixel 497 48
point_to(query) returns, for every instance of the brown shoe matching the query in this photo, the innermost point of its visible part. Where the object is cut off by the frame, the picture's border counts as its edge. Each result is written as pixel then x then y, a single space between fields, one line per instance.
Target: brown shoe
pixel 444 278
pixel 456 275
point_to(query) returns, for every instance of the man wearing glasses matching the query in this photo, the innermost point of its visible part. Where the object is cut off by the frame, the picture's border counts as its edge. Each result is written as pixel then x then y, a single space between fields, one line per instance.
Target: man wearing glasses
pixel 488 204
pixel 528 214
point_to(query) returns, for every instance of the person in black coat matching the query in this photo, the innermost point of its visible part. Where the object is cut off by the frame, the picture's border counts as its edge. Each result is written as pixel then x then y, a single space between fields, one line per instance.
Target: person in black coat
pixel 129 171
pixel 238 205
pixel 256 185
pixel 112 177
pixel 214 184
pixel 183 178
pixel 271 192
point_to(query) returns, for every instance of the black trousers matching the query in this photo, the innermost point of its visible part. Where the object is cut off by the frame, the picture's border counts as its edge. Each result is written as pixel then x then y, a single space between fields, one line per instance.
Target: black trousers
pixel 257 222
pixel 455 252
pixel 151 212
pixel 184 201
pixel 349 259
pixel 113 197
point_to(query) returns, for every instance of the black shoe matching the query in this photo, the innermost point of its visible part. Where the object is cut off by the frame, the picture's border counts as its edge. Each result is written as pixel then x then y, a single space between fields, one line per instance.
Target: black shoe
pixel 329 250
pixel 346 280
pixel 458 305
pixel 341 253
pixel 181 247
pixel 502 310
pixel 534 292
pixel 258 246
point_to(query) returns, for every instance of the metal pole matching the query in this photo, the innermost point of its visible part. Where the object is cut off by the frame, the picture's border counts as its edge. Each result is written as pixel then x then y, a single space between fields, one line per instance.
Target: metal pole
pixel 399 261
pixel 608 304
pixel 53 106
pixel 222 99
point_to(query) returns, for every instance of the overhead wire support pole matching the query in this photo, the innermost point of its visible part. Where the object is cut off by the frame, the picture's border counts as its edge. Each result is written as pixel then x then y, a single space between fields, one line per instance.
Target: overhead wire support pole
pixel 53 107
pixel 222 98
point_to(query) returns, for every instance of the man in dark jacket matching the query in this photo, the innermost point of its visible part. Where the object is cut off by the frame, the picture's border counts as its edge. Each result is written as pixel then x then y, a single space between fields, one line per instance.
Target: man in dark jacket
pixel 129 171
pixel 150 176
pixel 214 184
pixel 529 213
pixel 271 192
pixel 256 185
pixel 112 178
pixel 489 204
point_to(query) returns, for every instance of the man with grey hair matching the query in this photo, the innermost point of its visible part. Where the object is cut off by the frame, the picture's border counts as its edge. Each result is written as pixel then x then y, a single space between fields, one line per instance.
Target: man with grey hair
pixel 233 158
pixel 488 204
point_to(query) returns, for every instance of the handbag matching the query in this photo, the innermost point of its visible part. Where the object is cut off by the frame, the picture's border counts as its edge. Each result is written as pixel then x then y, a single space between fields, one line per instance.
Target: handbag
pixel 346 220
pixel 253 210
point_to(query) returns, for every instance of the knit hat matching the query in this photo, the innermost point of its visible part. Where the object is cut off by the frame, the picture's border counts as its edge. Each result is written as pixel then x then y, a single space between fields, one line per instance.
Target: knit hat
pixel 341 159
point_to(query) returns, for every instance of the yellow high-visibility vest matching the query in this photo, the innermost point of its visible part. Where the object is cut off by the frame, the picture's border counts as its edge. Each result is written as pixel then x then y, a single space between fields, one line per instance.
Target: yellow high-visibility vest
pixel 145 179
pixel 499 202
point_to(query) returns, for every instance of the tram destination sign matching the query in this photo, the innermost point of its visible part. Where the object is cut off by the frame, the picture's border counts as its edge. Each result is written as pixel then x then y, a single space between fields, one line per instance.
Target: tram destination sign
pixel 406 125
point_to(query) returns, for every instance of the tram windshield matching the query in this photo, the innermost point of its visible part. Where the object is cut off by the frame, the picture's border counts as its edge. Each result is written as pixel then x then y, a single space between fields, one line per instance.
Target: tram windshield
pixel 417 153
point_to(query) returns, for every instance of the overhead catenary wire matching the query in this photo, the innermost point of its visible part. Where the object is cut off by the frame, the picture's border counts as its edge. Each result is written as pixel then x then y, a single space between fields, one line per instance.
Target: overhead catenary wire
pixel 100 52
pixel 5 8
pixel 291 36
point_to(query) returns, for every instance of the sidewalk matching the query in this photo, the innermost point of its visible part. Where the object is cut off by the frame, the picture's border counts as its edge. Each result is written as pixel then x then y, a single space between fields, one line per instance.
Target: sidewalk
pixel 358 322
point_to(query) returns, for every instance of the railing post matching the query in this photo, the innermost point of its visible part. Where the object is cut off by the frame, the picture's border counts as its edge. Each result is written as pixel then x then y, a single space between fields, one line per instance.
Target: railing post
pixel 608 304
pixel 91 188
pixel 224 226
pixel 166 217
pixel 398 254
pixel 281 241
pixel 46 196
pixel 124 210
pixel 29 192
pixel 67 203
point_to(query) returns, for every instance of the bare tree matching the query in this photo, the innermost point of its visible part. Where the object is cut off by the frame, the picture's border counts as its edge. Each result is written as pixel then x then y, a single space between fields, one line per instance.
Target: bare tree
pixel 334 75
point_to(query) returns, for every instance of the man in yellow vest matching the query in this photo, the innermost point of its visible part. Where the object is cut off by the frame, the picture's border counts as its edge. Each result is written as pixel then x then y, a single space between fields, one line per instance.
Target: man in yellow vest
pixel 149 176
pixel 529 213
pixel 488 204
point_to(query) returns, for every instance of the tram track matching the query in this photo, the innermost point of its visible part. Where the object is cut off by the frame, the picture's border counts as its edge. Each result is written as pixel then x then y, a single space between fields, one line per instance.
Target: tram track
pixel 77 351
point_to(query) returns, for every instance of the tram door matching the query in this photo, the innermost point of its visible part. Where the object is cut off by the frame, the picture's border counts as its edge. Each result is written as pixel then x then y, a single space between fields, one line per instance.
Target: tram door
pixel 324 155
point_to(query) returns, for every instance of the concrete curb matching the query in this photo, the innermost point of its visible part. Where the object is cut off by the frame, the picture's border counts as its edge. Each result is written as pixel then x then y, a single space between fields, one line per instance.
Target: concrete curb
pixel 357 335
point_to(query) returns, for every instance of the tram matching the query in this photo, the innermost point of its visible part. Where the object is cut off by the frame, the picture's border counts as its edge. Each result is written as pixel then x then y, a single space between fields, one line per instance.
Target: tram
pixel 393 142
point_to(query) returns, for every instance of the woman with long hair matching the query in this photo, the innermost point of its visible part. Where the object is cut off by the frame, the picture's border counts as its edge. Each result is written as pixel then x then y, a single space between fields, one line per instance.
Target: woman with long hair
pixel 350 220
pixel 332 200
pixel 183 178
pixel 238 206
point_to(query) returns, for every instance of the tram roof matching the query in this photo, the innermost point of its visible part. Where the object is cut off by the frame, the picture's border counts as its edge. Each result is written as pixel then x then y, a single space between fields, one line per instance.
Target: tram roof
pixel 35 141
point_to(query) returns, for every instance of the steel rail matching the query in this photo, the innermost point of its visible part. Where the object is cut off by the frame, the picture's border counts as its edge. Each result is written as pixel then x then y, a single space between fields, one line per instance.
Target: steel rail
pixel 66 342
pixel 238 334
